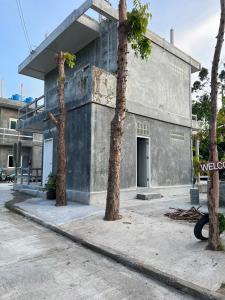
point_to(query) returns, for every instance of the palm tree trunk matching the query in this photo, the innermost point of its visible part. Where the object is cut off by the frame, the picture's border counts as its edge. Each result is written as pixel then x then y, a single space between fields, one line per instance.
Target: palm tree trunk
pixel 60 123
pixel 117 124
pixel 213 191
pixel 61 147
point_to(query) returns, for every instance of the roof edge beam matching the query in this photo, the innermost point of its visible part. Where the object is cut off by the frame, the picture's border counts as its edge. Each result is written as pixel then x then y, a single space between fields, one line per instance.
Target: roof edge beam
pixel 99 6
pixel 105 9
pixel 71 18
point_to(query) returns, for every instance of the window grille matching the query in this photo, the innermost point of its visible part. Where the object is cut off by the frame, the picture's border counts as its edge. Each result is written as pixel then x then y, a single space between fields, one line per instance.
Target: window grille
pixel 143 129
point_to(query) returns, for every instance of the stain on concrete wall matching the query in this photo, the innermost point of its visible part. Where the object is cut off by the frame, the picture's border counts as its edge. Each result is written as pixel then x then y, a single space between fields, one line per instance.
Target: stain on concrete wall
pixel 103 87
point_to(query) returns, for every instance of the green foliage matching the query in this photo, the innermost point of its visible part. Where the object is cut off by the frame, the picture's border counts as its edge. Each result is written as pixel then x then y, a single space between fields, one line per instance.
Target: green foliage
pixel 203 74
pixel 51 183
pixel 201 86
pixel 196 165
pixel 70 59
pixel 222 285
pixel 138 20
pixel 201 107
pixel 196 86
pixel 221 247
pixel 196 162
pixel 221 123
pixel 221 223
pixel 61 80
pixel 222 75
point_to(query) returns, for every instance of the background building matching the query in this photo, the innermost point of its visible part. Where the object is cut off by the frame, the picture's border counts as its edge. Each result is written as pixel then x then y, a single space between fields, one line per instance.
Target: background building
pixel 31 142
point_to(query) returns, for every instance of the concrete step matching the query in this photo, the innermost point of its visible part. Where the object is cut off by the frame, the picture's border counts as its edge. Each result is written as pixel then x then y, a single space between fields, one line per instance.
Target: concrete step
pixel 30 189
pixel 149 196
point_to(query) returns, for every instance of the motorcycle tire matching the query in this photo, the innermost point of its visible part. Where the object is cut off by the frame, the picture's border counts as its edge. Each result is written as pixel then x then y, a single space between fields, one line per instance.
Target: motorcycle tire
pixel 199 226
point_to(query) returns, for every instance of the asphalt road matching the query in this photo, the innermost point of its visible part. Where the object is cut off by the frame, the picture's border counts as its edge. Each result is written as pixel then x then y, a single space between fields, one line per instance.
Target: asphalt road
pixel 36 263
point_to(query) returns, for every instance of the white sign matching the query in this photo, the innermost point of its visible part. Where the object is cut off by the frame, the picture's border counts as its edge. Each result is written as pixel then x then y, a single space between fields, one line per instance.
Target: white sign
pixel 212 166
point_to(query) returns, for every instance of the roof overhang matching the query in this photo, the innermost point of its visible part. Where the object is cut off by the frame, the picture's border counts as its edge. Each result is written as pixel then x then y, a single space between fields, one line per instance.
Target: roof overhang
pixel 77 31
pixel 74 33
pixel 70 38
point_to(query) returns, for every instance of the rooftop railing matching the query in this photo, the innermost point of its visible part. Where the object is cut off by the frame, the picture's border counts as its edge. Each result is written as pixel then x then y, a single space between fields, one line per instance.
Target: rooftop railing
pixel 31 109
pixel 6 132
pixel 196 124
pixel 28 175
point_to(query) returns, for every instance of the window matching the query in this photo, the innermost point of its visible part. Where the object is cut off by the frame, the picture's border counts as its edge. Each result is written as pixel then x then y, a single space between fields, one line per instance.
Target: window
pixel 10 161
pixel 143 129
pixel 12 123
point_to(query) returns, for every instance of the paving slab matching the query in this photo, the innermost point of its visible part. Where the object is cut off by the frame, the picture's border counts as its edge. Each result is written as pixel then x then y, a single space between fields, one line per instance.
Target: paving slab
pixel 165 244
pixel 48 212
pixel 146 240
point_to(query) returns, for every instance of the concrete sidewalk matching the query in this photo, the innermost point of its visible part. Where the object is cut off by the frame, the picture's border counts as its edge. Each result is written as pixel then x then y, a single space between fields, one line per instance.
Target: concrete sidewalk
pixel 144 239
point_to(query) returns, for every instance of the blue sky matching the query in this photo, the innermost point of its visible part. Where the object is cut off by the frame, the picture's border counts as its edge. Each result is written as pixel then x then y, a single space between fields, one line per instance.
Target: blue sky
pixel 195 24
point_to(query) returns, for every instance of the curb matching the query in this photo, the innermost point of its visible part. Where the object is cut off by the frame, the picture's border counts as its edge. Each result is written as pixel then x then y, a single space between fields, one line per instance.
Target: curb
pixel 179 284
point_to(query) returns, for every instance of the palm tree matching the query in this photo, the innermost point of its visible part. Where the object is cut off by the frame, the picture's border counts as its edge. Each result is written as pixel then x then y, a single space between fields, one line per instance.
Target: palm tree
pixel 132 27
pixel 213 191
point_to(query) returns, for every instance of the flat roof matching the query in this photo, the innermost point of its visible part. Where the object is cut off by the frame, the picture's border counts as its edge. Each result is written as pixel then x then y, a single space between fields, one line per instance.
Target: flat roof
pixel 9 103
pixel 83 30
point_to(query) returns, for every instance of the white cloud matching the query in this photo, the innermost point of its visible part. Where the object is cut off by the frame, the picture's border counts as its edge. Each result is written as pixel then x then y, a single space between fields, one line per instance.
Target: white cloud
pixel 199 40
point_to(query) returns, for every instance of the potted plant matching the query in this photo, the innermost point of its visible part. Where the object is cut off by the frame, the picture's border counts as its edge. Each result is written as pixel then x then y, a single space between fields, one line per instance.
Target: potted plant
pixel 51 187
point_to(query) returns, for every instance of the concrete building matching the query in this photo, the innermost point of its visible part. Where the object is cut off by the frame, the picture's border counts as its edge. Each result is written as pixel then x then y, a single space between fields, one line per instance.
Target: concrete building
pixel 31 143
pixel 156 153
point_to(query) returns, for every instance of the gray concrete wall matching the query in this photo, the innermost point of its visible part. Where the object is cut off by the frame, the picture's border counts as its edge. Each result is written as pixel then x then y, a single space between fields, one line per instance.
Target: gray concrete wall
pixel 78 142
pixel 158 88
pixel 37 156
pixel 100 53
pixel 5 115
pixel 170 151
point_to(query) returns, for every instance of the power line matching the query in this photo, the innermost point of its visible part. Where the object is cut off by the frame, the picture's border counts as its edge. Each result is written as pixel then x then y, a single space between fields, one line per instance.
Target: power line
pixel 23 24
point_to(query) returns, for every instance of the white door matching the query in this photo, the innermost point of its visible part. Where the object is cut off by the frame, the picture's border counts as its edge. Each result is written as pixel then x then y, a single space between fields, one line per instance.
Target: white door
pixel 47 160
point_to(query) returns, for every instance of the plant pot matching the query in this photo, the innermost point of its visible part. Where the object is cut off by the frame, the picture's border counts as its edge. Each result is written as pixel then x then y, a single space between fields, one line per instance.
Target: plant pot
pixel 51 195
